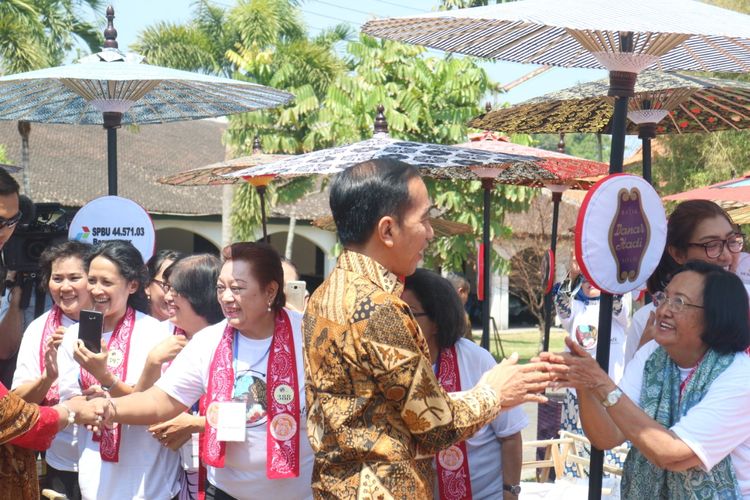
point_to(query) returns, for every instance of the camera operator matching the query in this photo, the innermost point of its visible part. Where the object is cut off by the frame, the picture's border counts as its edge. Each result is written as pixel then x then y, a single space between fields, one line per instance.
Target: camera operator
pixel 11 326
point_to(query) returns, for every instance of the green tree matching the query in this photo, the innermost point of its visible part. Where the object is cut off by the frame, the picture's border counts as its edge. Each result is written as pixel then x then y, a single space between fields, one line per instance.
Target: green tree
pixel 40 33
pixel 264 41
pixel 427 99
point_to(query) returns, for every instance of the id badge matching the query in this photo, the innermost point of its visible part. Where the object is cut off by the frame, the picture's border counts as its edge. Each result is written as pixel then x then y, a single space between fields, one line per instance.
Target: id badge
pixel 230 421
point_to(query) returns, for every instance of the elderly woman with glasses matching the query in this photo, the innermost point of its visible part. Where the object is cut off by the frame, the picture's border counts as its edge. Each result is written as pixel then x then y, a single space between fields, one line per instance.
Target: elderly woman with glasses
pixel 683 399
pixel 697 230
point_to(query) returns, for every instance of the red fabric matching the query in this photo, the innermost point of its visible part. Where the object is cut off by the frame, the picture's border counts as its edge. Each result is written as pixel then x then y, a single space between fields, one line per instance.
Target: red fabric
pixel 41 435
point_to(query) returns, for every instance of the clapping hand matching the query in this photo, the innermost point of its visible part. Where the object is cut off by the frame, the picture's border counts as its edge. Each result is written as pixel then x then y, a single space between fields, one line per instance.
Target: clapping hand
pixel 50 354
pixel 167 349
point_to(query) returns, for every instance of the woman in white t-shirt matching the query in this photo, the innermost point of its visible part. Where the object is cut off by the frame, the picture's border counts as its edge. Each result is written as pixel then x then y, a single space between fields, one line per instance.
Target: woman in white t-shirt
pixel 126 462
pixel 63 275
pixel 684 397
pixel 189 289
pixel 155 292
pixel 493 454
pixel 696 230
pixel 250 370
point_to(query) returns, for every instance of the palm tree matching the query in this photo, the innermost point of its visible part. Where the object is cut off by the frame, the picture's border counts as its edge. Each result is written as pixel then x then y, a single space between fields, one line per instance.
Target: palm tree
pixel 266 42
pixel 40 33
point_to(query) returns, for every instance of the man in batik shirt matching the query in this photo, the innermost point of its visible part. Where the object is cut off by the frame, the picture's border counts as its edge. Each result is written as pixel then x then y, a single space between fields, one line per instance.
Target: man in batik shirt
pixel 376 412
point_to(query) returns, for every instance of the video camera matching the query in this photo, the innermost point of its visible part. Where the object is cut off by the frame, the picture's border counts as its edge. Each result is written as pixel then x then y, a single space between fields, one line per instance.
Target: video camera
pixel 42 225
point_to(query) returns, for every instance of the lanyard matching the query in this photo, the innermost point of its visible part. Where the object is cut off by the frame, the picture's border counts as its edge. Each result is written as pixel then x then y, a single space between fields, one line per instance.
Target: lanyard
pixel 235 354
pixel 684 383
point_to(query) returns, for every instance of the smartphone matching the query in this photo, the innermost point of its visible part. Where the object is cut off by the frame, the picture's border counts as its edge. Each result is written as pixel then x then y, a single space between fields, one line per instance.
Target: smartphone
pixel 295 292
pixel 90 330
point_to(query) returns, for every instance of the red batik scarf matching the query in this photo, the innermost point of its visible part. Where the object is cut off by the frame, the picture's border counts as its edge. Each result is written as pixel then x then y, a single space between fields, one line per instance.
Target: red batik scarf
pixel 283 417
pixel 54 320
pixel 454 478
pixel 119 342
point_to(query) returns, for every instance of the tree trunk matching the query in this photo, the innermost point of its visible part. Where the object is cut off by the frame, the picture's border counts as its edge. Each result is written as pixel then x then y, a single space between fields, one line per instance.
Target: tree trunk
pixel 290 238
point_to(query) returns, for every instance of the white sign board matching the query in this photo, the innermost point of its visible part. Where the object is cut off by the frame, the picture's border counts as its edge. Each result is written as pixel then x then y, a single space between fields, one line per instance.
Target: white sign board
pixel 114 218
pixel 620 233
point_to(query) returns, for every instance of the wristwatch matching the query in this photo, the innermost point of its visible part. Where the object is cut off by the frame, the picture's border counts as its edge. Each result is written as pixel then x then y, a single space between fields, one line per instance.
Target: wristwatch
pixel 514 489
pixel 612 398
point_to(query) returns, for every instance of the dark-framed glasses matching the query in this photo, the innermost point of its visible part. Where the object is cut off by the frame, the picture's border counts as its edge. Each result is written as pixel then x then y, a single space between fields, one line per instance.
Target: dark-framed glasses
pixel 735 243
pixel 11 222
pixel 165 287
pixel 676 304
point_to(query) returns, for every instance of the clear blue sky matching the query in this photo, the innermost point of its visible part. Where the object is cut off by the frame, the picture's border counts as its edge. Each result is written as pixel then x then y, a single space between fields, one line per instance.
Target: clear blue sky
pixel 131 16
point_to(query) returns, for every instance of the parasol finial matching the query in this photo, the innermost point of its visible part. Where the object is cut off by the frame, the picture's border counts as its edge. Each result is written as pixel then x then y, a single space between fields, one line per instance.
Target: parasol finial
pixel 561 143
pixel 110 33
pixel 488 106
pixel 381 124
pixel 257 147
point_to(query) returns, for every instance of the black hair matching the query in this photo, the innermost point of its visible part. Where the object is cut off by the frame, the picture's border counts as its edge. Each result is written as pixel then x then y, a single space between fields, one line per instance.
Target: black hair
pixel 194 277
pixel 129 262
pixel 726 313
pixel 367 192
pixel 265 266
pixel 62 250
pixel 682 223
pixel 8 185
pixel 159 258
pixel 441 303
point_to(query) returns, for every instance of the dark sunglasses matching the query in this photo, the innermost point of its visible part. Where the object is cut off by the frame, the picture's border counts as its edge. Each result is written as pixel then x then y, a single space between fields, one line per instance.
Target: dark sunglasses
pixel 12 221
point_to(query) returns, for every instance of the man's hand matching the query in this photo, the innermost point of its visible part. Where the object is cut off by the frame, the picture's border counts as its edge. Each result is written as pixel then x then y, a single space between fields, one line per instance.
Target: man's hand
pixel 516 384
pixel 167 349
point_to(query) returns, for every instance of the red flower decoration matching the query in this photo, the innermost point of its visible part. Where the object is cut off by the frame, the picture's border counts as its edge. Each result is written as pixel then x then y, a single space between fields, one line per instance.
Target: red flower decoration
pixel 712 119
pixel 684 124
pixel 695 111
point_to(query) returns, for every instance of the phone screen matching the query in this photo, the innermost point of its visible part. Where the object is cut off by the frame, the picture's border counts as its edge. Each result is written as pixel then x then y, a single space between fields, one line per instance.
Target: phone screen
pixel 90 330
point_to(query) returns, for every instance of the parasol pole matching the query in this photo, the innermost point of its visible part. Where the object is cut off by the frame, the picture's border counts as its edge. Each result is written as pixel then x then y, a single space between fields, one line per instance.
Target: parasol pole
pixel 646 132
pixel 487 185
pixel 621 87
pixel 112 121
pixel 557 191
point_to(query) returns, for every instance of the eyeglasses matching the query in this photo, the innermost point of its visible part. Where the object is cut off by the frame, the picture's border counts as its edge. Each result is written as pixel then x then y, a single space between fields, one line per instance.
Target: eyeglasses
pixel 11 222
pixel 676 304
pixel 166 287
pixel 714 248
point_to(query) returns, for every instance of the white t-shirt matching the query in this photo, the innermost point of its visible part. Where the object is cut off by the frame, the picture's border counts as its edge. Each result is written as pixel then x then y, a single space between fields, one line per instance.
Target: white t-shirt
pixel 484 448
pixel 583 322
pixel 146 469
pixel 63 453
pixel 635 330
pixel 719 425
pixel 244 473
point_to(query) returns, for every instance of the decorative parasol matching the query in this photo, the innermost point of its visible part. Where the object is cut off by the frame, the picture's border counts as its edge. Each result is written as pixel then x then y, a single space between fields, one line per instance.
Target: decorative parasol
pixel 433 160
pixel 734 190
pixel 112 88
pixel 664 103
pixel 214 175
pixel 571 172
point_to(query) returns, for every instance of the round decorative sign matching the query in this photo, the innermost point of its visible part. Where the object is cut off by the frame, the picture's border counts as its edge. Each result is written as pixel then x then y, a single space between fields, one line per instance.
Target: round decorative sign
pixel 620 233
pixel 114 218
pixel 548 271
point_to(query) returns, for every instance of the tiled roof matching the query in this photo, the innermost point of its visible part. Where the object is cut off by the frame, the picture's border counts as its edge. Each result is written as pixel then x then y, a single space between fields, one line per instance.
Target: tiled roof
pixel 68 163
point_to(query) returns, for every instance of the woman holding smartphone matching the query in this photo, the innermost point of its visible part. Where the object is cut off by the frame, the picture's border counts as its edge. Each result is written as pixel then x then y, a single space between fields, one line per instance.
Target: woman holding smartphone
pixel 123 462
pixel 248 370
pixel 36 377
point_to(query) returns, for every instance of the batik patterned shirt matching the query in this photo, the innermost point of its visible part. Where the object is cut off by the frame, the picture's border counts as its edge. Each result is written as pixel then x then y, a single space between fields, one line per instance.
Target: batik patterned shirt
pixel 376 412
